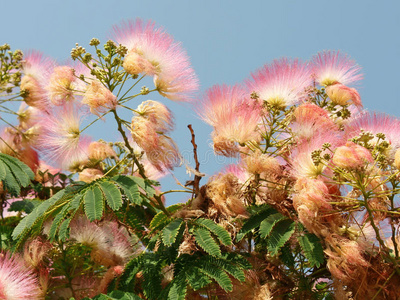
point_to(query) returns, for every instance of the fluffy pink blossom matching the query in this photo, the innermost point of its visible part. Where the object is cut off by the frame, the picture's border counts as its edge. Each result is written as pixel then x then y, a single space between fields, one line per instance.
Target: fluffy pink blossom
pixel 100 150
pixel 28 116
pixel 61 140
pixel 301 160
pixel 310 120
pixel 352 156
pixel 343 95
pixel 375 123
pixel 158 114
pixel 281 83
pixel 232 113
pixel 17 282
pixel 60 87
pixel 332 67
pixel 152 51
pixel 99 98
pixel 90 174
pixel 37 70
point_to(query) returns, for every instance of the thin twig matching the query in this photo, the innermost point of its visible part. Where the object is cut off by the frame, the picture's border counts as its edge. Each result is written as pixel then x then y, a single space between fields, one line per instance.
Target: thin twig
pixel 196 181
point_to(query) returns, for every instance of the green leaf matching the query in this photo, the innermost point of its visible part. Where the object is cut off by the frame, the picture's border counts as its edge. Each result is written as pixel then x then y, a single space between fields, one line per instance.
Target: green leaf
pixel 146 185
pixel 280 235
pixel 63 232
pixel 10 183
pixel 204 239
pixel 178 288
pixel 312 249
pixel 129 187
pixel 170 232
pixel 218 230
pixel 229 267
pixel 115 295
pixel 57 220
pixel 3 171
pixel 268 223
pixel 36 214
pixel 254 221
pixel 287 256
pixel 218 275
pixel 21 171
pixel 112 195
pixel 94 203
pixel 196 278
pixel 160 219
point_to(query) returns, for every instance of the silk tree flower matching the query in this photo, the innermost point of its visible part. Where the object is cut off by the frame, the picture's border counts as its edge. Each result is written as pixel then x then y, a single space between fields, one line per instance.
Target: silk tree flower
pixel 343 95
pixel 149 127
pixel 17 282
pixel 90 174
pixel 61 85
pixel 100 150
pixel 158 114
pixel 37 70
pixel 301 160
pixel 281 83
pixel 332 67
pixel 61 141
pixel 28 116
pixel 352 156
pixel 152 51
pixel 310 120
pixel 234 116
pixel 99 98
pixel 375 123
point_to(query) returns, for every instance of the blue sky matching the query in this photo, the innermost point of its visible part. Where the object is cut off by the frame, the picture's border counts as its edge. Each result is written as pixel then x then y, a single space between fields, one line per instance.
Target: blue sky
pixel 226 40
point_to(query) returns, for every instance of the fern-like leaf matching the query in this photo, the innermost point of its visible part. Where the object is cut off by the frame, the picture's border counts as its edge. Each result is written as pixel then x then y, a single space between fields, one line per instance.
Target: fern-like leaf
pixel 312 249
pixel 218 230
pixel 170 232
pixel 130 188
pixel 204 239
pixel 111 194
pixel 196 278
pixel 94 203
pixel 280 234
pixel 218 275
pixel 254 221
pixel 178 288
pixel 268 223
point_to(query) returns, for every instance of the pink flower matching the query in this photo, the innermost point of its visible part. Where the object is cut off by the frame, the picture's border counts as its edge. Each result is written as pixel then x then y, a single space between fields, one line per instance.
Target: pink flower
pixel 332 67
pixel 310 119
pixel 152 51
pixel 17 282
pixel 375 123
pixel 281 83
pixel 352 156
pixel 301 159
pixel 37 70
pixel 343 95
pixel 100 151
pixel 61 85
pixel 61 140
pixel 158 114
pixel 99 98
pixel 234 116
pixel 89 174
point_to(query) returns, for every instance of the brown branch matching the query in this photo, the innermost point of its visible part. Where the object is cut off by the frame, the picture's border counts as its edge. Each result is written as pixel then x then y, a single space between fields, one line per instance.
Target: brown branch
pixel 196 181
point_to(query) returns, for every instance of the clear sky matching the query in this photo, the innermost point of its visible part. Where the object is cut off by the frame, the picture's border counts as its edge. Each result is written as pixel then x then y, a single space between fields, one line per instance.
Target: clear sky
pixel 226 40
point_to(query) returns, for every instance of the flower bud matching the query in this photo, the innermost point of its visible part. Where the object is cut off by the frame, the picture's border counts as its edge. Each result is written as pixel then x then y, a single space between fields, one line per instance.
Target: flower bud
pixel 351 156
pixel 343 95
pixel 88 175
